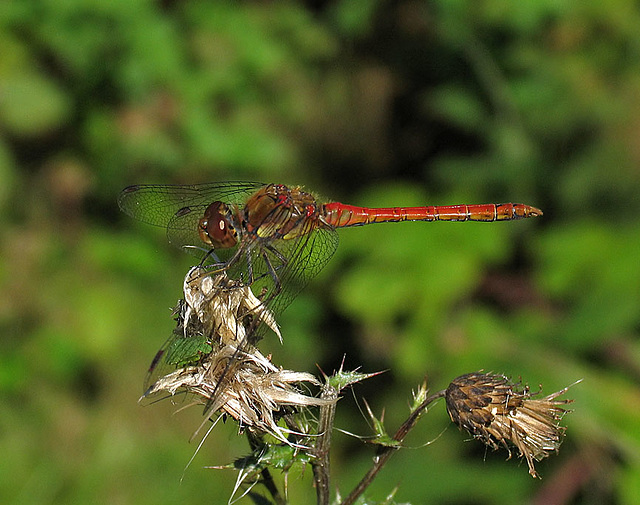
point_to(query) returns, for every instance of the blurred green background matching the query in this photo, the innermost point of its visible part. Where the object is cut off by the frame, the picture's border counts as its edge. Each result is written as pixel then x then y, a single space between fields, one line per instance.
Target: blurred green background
pixel 361 101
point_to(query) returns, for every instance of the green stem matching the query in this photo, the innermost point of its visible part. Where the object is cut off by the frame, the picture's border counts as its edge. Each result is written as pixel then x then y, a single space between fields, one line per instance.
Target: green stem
pixel 385 452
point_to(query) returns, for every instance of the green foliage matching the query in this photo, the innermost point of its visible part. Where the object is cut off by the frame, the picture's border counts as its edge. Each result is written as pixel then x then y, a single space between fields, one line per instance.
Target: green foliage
pixel 373 103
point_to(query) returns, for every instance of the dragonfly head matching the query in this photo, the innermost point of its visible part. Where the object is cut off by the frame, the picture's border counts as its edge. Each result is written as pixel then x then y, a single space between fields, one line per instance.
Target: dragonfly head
pixel 216 228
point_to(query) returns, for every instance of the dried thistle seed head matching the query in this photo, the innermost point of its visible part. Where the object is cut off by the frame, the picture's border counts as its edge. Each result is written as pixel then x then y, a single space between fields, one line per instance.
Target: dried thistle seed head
pixel 223 306
pixel 493 409
pixel 217 361
pixel 253 391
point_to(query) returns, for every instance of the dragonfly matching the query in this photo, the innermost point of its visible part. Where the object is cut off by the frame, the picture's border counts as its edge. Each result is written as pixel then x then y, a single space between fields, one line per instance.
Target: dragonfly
pixel 272 238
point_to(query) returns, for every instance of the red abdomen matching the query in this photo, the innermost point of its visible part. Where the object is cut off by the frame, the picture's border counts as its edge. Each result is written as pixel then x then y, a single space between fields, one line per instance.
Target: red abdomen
pixel 341 215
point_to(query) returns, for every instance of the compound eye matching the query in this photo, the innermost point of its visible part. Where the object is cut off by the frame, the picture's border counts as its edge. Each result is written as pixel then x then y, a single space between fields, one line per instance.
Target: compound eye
pixel 215 226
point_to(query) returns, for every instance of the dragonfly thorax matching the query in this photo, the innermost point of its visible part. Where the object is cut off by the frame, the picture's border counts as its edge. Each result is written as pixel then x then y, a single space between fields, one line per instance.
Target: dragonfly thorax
pixel 279 212
pixel 216 227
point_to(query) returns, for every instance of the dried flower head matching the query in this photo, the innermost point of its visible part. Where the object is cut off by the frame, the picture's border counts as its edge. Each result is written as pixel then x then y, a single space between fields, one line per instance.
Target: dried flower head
pixel 247 387
pixel 493 409
pixel 225 309
pixel 217 360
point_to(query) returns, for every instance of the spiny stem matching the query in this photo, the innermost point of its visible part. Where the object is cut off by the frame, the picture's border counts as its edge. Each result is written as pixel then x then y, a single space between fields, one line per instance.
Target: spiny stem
pixel 385 452
pixel 320 462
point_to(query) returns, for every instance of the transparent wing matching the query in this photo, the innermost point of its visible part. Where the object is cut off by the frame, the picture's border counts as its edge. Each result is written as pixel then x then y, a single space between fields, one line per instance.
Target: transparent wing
pixel 158 204
pixel 306 257
pixel 278 270
pixel 179 208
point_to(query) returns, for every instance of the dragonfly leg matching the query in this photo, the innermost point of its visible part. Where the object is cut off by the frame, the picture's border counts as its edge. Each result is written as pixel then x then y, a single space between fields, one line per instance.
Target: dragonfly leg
pixel 277 286
pixel 250 278
pixel 279 255
pixel 210 253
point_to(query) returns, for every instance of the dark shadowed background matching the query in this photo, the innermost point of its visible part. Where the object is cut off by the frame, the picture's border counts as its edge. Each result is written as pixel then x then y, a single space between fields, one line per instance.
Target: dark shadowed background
pixel 361 101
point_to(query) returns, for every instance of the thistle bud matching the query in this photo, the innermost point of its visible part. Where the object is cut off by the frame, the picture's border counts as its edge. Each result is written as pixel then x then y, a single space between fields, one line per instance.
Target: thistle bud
pixel 499 413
